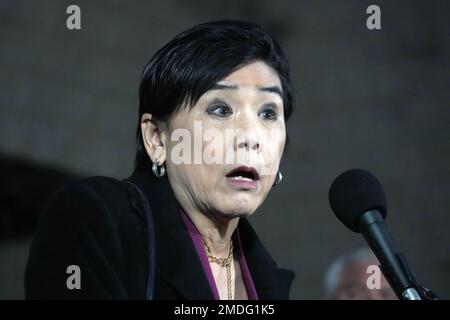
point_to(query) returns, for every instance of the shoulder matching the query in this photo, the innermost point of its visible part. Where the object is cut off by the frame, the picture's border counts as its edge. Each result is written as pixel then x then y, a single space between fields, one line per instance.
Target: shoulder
pixel 86 223
pixel 91 200
pixel 98 187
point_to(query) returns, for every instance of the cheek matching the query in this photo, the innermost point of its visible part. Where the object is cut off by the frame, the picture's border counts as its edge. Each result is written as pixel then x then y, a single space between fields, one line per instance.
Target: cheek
pixel 281 141
pixel 200 180
pixel 273 150
pixel 193 175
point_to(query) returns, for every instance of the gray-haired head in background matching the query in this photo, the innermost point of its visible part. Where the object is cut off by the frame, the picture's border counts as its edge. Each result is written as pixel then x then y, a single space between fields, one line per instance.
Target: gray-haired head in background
pixel 346 278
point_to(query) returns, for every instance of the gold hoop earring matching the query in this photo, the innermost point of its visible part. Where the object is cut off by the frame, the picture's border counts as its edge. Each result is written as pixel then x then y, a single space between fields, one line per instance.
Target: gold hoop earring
pixel 158 171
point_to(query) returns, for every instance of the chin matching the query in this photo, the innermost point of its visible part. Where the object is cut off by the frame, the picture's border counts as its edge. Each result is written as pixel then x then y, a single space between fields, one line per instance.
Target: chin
pixel 239 208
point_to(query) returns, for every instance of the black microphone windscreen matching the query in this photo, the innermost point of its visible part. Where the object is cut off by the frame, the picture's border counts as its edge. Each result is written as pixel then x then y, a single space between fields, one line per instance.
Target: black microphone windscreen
pixel 353 193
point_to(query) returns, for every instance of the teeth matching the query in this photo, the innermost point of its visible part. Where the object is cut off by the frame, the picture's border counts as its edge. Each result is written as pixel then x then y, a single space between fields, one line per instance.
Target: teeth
pixel 242 178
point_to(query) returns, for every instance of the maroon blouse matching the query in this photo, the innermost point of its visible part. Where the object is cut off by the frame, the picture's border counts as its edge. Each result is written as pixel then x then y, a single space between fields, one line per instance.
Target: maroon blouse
pixel 198 244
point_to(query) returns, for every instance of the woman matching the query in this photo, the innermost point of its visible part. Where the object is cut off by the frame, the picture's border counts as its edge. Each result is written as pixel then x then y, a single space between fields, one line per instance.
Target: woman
pixel 210 135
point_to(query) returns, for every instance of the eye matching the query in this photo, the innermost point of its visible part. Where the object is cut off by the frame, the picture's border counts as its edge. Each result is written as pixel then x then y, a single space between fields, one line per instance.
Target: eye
pixel 220 109
pixel 268 112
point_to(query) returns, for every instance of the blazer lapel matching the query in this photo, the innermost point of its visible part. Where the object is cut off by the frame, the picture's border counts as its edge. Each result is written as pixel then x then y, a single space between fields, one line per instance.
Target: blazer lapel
pixel 180 265
pixel 176 258
pixel 271 282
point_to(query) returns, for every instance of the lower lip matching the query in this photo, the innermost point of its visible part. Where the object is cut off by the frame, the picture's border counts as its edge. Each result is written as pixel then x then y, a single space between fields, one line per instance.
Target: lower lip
pixel 243 184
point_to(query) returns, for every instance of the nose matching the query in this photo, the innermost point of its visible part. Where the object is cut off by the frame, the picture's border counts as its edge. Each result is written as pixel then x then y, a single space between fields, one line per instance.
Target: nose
pixel 248 141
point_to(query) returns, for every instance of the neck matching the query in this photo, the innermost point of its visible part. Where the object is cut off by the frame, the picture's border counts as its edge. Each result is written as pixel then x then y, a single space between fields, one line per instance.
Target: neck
pixel 215 231
pixel 215 228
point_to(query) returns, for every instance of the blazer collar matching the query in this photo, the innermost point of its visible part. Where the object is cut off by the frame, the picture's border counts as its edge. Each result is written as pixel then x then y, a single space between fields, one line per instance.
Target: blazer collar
pixel 177 260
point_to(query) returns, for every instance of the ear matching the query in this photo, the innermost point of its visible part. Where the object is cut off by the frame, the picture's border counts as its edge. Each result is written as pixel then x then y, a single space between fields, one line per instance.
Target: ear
pixel 154 139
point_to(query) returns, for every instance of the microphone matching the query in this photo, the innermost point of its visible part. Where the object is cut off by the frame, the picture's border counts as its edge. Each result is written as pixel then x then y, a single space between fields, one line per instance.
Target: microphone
pixel 357 199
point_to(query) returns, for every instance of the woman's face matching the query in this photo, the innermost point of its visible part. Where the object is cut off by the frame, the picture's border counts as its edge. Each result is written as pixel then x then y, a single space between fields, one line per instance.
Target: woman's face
pixel 239 122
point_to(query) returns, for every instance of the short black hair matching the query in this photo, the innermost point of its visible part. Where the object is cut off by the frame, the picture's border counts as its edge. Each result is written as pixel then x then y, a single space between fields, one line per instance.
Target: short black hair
pixel 195 60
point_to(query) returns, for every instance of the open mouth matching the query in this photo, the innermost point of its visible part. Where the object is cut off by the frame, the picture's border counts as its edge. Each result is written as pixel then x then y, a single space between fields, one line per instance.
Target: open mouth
pixel 243 173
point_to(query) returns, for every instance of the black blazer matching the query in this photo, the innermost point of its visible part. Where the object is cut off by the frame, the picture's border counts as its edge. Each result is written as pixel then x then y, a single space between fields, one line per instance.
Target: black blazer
pixel 99 225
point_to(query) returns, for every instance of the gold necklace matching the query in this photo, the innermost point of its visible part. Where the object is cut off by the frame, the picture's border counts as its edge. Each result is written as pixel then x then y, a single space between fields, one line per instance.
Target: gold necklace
pixel 223 262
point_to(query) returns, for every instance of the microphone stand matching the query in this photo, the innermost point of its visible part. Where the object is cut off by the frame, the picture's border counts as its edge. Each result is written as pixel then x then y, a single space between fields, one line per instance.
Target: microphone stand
pixel 413 292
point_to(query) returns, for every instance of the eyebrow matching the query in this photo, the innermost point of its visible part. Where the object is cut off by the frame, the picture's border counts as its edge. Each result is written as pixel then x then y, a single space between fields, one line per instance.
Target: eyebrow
pixel 271 89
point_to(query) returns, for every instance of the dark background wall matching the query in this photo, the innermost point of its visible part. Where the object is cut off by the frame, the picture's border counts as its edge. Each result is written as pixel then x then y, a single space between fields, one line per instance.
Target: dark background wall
pixel 378 100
